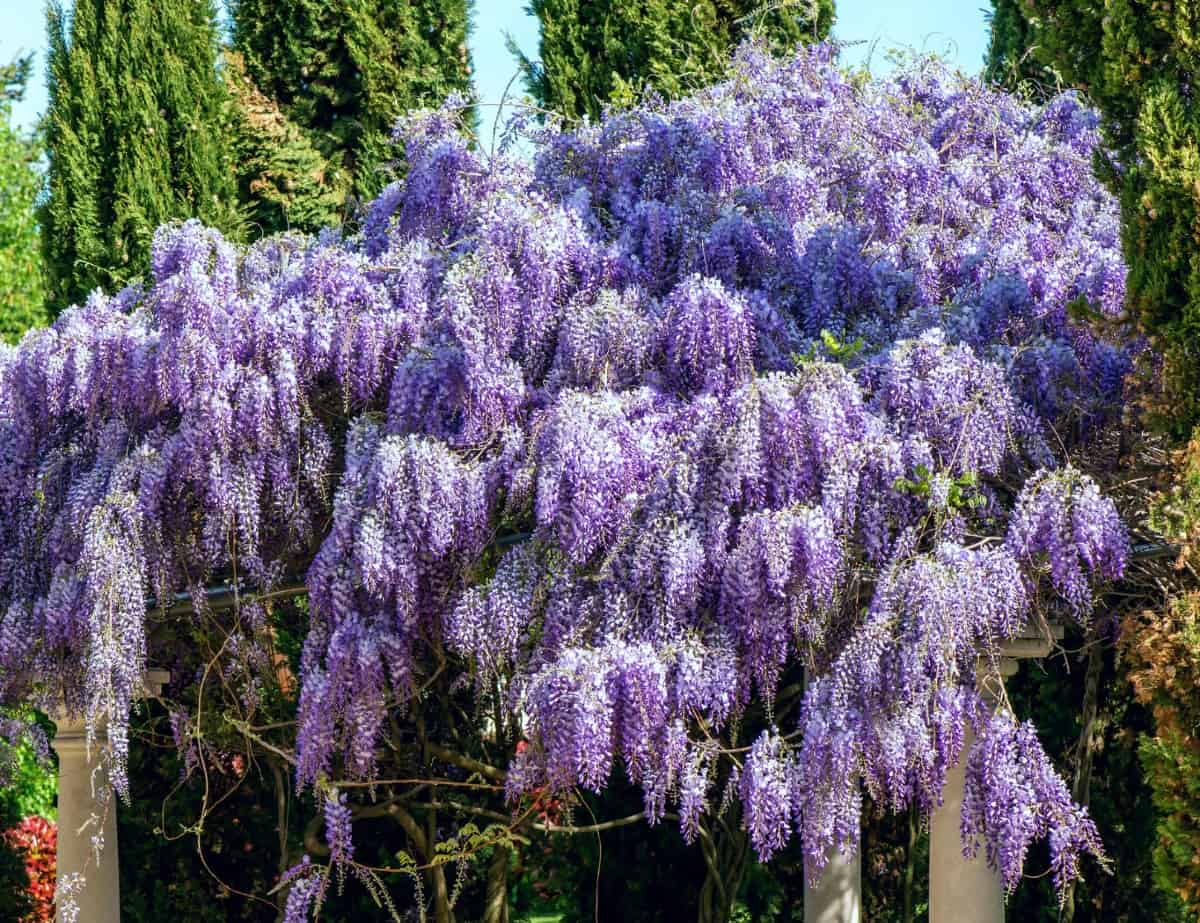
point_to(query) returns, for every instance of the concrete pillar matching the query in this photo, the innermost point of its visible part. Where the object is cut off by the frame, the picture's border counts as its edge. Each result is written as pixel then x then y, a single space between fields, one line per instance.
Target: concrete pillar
pixel 81 817
pixel 92 883
pixel 960 890
pixel 963 890
pixel 837 897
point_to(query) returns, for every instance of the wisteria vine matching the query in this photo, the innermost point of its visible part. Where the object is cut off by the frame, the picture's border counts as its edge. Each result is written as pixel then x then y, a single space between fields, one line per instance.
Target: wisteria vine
pixel 780 377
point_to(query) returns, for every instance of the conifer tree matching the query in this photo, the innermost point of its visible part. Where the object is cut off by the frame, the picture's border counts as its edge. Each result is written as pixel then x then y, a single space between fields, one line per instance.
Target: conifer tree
pixel 284 180
pixel 1012 58
pixel 135 136
pixel 21 298
pixel 344 70
pixel 598 52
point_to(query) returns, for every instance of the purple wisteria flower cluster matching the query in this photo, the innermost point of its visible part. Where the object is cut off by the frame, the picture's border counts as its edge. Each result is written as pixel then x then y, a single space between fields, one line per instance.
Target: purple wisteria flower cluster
pixel 632 435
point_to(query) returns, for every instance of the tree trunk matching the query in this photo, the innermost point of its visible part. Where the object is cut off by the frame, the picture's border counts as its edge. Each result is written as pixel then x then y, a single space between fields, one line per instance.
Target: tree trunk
pixel 281 829
pixel 726 849
pixel 443 912
pixel 495 908
pixel 1085 749
pixel 910 861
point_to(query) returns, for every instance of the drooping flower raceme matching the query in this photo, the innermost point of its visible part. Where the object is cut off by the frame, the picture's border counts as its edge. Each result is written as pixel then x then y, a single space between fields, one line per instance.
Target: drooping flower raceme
pixel 1062 518
pixel 1013 796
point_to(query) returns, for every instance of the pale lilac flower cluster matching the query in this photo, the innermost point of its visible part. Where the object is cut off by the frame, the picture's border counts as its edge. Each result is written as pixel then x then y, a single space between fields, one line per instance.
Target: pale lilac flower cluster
pixel 893 706
pixel 1062 519
pixel 778 587
pixel 961 405
pixel 767 785
pixel 708 394
pixel 337 828
pixel 1013 796
pixel 184 740
pixel 17 732
pixel 708 336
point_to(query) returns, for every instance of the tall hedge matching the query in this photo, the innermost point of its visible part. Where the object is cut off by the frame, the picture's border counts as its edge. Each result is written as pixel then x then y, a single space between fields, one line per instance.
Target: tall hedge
pixel 1012 58
pixel 135 136
pixel 285 180
pixel 595 52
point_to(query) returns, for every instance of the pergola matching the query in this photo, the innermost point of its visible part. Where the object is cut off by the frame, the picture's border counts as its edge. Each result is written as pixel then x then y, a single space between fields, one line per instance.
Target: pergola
pixel 961 890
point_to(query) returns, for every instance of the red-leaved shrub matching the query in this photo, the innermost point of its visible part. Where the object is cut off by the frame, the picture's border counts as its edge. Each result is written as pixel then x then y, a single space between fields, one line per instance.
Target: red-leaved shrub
pixel 36 839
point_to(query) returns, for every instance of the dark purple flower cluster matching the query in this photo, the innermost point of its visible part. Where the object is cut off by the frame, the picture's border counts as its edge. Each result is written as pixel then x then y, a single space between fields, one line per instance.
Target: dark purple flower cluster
pixel 705 395
pixel 301 895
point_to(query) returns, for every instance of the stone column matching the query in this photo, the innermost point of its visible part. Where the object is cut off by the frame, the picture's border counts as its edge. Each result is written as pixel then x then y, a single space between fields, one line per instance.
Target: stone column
pixel 81 817
pixel 837 897
pixel 965 890
pixel 961 890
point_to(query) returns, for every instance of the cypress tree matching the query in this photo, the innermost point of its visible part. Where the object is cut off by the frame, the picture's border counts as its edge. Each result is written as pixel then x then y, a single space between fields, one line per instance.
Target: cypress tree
pixel 1012 59
pixel 344 70
pixel 135 136
pixel 599 52
pixel 21 297
pixel 284 180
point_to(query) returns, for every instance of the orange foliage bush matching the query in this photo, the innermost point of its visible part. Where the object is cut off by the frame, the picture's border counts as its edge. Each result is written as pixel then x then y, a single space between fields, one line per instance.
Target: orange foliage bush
pixel 1163 649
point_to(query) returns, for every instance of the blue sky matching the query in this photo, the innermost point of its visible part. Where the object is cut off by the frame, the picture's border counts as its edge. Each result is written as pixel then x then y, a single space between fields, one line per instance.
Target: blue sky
pixel 954 28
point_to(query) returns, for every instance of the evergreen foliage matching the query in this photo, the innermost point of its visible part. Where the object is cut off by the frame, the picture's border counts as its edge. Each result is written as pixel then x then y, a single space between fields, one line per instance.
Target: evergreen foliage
pixel 596 52
pixel 347 70
pixel 284 179
pixel 22 304
pixel 1164 649
pixel 135 135
pixel 1012 56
